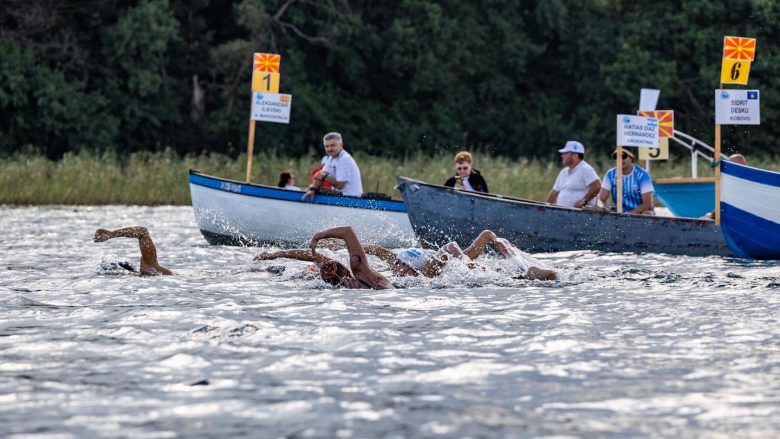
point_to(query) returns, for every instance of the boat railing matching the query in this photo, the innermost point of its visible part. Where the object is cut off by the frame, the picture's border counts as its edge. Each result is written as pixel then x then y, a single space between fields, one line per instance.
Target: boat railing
pixel 696 147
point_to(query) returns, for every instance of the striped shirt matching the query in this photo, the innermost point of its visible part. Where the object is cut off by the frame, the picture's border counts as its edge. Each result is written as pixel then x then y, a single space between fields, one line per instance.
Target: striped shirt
pixel 635 184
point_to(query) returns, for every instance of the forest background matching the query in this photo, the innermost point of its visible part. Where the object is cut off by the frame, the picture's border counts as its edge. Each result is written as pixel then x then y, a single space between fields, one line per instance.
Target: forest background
pixel 402 79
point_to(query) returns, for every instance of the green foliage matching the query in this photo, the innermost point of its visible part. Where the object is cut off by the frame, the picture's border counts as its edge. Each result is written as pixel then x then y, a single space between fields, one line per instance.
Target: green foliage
pixel 150 178
pixel 514 78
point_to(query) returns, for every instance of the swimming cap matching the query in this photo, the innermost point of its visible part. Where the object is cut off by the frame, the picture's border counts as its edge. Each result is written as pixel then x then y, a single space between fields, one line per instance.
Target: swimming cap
pixel 333 272
pixel 415 258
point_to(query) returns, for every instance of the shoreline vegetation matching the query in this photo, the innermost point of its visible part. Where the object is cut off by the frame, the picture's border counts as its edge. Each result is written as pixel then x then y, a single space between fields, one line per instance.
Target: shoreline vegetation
pixel 160 178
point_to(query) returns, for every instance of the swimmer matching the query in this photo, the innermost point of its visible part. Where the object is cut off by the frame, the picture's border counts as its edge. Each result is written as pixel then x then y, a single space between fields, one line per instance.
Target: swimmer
pixel 429 263
pixel 149 264
pixel 333 272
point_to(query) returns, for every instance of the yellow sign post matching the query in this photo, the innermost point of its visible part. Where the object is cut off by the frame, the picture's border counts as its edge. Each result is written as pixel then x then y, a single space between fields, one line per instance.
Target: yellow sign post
pixel 738 53
pixel 734 71
pixel 265 78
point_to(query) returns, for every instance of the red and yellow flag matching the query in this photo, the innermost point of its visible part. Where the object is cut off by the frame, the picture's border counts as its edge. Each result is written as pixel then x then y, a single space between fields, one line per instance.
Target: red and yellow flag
pixel 665 121
pixel 739 48
pixel 266 62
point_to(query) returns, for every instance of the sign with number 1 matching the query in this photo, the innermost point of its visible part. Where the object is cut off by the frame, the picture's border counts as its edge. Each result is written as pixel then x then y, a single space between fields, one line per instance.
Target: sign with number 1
pixel 265 81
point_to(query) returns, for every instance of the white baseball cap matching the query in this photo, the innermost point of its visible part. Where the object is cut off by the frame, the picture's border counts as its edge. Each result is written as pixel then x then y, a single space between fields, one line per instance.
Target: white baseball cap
pixel 573 146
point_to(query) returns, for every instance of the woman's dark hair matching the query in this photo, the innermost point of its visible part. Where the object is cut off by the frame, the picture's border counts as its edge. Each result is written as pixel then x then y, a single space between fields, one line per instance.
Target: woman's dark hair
pixel 284 178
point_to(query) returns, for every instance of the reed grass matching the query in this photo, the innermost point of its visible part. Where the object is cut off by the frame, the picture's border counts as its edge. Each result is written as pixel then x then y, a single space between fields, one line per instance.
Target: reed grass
pixel 146 178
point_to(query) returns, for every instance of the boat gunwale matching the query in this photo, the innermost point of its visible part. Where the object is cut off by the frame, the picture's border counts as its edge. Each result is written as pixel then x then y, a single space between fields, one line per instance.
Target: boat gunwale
pixel 294 196
pixel 541 204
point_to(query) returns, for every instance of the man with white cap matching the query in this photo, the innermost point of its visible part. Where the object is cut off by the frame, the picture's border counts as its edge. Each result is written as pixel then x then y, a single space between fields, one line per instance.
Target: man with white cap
pixel 577 184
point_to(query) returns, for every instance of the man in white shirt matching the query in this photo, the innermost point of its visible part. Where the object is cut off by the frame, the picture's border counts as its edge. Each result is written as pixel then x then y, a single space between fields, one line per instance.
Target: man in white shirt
pixel 340 169
pixel 577 184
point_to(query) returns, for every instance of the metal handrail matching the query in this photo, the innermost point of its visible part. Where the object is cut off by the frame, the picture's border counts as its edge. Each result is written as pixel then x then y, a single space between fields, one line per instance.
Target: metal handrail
pixel 695 146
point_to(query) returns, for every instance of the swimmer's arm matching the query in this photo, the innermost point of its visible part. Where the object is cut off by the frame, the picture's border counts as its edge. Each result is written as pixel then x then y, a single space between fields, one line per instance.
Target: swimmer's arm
pixel 300 255
pixel 102 235
pixel 357 256
pixel 381 253
pixel 478 246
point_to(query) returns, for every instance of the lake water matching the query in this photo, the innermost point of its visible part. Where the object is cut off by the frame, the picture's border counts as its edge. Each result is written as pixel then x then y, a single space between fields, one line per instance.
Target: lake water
pixel 624 346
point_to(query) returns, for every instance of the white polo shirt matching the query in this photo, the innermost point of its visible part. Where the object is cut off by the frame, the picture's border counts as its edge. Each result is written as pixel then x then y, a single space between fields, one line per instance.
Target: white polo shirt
pixel 573 186
pixel 343 168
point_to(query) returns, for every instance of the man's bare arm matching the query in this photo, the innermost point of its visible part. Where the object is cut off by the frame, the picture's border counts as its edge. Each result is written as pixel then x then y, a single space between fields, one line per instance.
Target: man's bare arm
pixel 357 256
pixel 381 253
pixel 647 203
pixel 603 195
pixel 298 254
pixel 552 198
pixel 478 246
pixel 149 264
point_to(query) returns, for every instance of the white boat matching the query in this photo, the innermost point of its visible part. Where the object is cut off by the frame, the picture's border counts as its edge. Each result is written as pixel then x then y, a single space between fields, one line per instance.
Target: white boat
pixel 237 213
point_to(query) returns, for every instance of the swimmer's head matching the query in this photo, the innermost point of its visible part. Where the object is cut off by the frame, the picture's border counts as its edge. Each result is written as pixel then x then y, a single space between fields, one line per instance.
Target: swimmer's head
pixel 333 272
pixel 400 268
pixel 406 261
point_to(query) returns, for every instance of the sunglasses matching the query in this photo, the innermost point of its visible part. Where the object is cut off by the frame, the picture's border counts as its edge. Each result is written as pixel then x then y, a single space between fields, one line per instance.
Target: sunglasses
pixel 625 156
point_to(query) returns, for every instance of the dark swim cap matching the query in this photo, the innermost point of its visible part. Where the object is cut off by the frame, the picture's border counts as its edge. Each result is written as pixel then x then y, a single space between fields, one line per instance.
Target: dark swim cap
pixel 333 272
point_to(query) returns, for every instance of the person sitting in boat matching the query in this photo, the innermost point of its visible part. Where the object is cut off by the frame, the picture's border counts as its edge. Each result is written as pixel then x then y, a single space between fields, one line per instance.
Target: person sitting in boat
pixel 149 264
pixel 577 184
pixel 315 171
pixel 340 169
pixel 466 177
pixel 734 158
pixel 637 186
pixel 287 181
pixel 425 262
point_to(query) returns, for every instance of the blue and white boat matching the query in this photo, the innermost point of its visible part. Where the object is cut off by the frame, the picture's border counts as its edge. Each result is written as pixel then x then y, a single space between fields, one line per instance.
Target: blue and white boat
pixel 238 213
pixel 750 210
pixel 688 197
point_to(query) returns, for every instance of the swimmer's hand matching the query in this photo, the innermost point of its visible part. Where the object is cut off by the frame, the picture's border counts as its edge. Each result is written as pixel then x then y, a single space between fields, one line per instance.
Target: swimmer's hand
pixel 101 235
pixel 264 256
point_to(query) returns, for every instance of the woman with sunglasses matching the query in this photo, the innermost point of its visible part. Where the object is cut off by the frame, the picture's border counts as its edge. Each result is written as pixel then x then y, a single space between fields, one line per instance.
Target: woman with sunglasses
pixel 466 177
pixel 637 186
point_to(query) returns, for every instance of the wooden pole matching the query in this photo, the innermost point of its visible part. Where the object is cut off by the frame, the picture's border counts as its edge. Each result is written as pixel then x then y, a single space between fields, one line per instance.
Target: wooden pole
pixel 716 159
pixel 250 149
pixel 619 179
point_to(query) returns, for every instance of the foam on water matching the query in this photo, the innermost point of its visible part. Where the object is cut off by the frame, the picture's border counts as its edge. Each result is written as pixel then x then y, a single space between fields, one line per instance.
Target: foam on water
pixel 623 345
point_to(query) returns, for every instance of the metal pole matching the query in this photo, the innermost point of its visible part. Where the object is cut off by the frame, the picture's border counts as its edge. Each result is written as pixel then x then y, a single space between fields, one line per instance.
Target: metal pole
pixel 619 179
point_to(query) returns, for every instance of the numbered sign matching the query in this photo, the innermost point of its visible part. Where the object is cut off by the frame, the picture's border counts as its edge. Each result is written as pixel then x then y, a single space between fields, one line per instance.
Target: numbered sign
pixel 660 153
pixel 265 81
pixel 734 71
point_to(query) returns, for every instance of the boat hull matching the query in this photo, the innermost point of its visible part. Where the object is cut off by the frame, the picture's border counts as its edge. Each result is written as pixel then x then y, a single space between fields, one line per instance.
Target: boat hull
pixel 686 197
pixel 440 215
pixel 750 210
pixel 235 213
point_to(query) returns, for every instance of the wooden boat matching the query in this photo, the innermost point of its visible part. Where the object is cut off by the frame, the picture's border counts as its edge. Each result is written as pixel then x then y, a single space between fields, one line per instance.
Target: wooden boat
pixel 440 214
pixel 750 210
pixel 237 213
